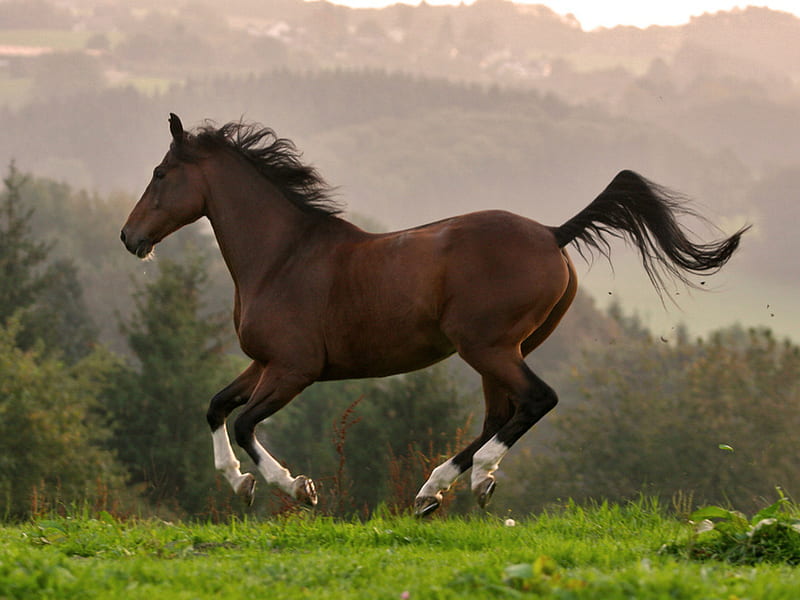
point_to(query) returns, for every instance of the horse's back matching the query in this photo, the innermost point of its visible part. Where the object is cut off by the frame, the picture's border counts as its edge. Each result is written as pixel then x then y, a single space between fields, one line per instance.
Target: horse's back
pixel 406 299
pixel 491 248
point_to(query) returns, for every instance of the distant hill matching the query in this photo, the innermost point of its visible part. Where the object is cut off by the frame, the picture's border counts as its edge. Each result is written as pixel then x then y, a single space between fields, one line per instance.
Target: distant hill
pixel 421 112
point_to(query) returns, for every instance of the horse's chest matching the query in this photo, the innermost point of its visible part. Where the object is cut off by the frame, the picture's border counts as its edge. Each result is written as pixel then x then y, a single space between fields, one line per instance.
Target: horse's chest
pixel 276 332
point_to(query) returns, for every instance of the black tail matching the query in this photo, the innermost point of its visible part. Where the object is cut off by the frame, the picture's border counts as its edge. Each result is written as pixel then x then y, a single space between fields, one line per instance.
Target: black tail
pixel 635 209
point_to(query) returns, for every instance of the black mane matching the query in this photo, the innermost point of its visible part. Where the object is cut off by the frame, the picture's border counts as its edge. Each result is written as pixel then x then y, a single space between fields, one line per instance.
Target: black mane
pixel 277 159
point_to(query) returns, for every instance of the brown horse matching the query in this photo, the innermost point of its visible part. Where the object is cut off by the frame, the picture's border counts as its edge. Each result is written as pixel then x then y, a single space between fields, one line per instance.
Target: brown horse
pixel 317 298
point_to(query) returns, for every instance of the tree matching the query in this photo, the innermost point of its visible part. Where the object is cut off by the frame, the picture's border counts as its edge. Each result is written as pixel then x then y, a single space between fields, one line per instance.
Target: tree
pixel 47 295
pixel 60 318
pixel 20 254
pixel 159 403
pixel 51 431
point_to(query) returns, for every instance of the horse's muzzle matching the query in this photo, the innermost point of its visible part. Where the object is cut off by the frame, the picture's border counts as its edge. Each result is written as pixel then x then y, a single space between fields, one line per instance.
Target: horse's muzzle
pixel 141 248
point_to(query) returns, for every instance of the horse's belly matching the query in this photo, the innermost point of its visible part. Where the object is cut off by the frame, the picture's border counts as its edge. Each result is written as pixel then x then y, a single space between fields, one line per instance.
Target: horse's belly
pixel 387 352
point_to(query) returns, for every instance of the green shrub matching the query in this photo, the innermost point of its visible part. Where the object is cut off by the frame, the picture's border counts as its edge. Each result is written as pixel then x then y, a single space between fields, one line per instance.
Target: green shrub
pixel 772 535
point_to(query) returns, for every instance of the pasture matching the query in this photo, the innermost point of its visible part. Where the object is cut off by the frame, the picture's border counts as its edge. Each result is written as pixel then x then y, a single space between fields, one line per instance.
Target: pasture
pixel 603 552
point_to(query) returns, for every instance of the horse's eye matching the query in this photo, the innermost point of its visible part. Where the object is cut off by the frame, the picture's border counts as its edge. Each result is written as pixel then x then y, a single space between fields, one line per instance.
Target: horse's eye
pixel 159 173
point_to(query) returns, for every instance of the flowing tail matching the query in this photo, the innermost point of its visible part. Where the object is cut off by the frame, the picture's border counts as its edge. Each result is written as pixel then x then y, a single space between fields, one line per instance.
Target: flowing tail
pixel 644 213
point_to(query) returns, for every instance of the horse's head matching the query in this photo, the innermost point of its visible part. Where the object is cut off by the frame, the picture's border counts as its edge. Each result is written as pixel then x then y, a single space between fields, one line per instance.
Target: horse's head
pixel 174 197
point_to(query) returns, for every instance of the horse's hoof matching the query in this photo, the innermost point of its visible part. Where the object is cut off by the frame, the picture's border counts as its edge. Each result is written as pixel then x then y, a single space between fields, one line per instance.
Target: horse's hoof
pixel 425 505
pixel 246 489
pixel 304 491
pixel 484 490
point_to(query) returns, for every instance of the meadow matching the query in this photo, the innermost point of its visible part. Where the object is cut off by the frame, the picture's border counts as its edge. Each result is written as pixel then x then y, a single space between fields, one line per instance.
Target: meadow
pixel 604 551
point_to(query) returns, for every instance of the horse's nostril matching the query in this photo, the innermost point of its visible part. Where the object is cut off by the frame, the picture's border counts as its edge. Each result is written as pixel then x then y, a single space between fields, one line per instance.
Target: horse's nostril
pixel 122 236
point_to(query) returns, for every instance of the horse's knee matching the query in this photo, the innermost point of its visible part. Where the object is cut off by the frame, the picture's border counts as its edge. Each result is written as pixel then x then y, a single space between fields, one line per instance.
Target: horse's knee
pixel 243 431
pixel 548 399
pixel 537 404
pixel 232 396
pixel 222 404
pixel 216 413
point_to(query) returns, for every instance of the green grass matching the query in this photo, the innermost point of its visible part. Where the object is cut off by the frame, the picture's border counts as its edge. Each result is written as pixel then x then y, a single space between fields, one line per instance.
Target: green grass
pixel 603 552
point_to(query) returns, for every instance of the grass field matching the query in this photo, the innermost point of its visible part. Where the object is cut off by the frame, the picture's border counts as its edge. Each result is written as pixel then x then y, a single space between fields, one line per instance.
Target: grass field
pixel 606 552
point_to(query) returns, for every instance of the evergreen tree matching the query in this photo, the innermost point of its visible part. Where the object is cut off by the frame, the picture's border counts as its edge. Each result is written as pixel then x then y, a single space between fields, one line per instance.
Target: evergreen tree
pixel 20 255
pixel 47 295
pixel 160 403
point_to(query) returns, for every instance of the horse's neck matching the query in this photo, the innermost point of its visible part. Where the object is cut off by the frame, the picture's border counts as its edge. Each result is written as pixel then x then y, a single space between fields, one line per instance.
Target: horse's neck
pixel 255 226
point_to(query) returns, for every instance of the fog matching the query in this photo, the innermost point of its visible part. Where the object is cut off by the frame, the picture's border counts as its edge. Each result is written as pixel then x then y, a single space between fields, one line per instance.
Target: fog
pixel 417 113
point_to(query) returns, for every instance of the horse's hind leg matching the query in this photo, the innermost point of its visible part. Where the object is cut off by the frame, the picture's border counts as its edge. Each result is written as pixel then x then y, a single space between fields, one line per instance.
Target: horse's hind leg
pixel 498 412
pixel 274 390
pixel 532 399
pixel 515 400
pixel 234 395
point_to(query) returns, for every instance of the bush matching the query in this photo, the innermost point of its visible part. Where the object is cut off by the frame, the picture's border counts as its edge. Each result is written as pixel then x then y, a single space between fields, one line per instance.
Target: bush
pixel 51 431
pixel 771 535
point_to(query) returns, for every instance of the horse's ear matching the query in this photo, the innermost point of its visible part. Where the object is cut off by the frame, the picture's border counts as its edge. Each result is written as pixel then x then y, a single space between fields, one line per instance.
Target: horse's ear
pixel 176 128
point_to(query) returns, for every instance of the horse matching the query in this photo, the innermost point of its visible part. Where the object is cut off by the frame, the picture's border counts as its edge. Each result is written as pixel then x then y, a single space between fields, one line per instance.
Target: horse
pixel 318 298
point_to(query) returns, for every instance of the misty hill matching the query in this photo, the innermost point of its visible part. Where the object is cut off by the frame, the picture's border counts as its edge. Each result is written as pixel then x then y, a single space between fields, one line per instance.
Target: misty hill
pixel 140 42
pixel 724 83
pixel 383 139
pixel 421 112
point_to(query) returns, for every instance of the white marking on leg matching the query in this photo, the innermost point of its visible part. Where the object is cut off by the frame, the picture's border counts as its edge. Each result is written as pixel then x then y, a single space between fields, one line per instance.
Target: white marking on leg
pixel 272 471
pixel 224 458
pixel 487 459
pixel 442 477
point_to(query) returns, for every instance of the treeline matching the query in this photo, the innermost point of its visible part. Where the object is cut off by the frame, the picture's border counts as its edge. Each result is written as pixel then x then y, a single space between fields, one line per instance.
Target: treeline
pixel 117 420
pixel 690 421
pixel 105 135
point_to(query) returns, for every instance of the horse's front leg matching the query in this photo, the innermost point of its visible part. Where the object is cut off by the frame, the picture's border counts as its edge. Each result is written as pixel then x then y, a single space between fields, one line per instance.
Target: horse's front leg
pixel 234 395
pixel 275 388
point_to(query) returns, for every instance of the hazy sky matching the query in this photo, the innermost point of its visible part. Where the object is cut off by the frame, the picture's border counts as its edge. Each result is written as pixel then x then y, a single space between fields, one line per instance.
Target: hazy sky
pixel 597 13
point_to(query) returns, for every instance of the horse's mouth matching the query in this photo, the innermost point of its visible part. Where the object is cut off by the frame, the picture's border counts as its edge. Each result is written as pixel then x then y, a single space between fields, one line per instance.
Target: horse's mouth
pixel 144 249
